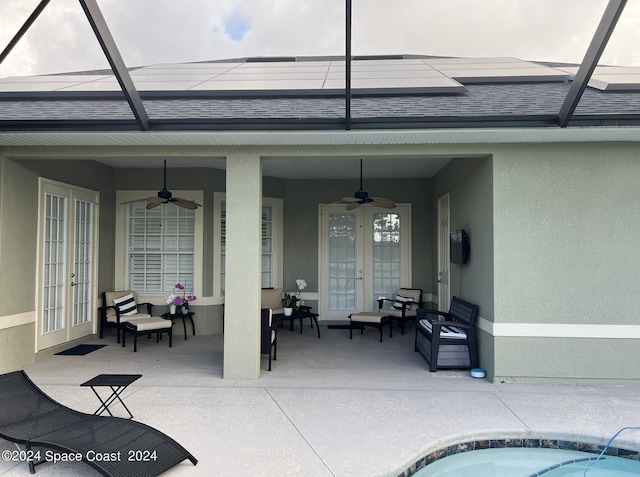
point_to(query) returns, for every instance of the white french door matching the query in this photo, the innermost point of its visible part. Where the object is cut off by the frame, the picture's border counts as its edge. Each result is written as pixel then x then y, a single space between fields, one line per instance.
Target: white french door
pixel 67 250
pixel 365 253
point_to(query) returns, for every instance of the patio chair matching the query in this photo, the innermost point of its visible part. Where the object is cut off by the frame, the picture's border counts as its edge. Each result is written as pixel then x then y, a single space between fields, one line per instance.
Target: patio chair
pixel 405 303
pixel 268 334
pixel 272 298
pixel 122 310
pixel 30 418
pixel 270 304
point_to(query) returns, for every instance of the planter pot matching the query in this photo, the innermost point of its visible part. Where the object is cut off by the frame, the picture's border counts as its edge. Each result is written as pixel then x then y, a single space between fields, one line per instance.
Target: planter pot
pixel 288 311
pixel 185 310
pixel 172 309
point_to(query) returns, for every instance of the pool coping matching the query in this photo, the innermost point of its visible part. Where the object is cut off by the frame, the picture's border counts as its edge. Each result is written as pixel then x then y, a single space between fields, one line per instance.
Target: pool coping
pixel 519 442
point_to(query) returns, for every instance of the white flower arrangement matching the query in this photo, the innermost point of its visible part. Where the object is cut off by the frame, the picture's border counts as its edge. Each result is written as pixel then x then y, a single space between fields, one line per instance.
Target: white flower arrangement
pixel 301 284
pixel 173 298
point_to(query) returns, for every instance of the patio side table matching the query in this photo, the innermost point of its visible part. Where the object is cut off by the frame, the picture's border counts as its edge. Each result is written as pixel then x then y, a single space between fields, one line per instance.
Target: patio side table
pixel 300 314
pixel 117 383
pixel 185 317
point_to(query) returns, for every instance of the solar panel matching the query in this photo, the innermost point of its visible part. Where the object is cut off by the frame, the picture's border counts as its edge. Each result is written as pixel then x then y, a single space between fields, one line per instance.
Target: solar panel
pixel 612 78
pixel 409 75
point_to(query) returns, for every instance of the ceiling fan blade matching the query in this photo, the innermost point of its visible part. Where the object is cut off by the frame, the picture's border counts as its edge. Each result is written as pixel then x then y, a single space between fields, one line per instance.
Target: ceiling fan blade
pixel 384 203
pixel 350 199
pixel 153 202
pixel 353 205
pixel 138 200
pixel 185 203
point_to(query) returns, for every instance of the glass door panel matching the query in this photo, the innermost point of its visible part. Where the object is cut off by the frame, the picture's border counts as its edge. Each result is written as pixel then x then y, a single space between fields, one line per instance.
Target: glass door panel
pixel 342 267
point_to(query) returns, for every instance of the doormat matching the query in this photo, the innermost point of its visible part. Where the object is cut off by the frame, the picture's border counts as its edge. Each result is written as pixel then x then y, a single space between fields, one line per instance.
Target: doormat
pixel 80 350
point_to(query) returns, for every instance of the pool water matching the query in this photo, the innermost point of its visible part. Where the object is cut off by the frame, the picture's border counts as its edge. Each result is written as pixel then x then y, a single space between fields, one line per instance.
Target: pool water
pixel 529 462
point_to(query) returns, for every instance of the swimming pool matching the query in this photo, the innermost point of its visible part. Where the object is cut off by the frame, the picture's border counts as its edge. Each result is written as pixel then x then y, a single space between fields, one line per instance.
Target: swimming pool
pixel 527 457
pixel 529 462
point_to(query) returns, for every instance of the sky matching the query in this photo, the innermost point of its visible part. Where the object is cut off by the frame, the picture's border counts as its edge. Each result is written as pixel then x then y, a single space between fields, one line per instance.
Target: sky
pixel 173 31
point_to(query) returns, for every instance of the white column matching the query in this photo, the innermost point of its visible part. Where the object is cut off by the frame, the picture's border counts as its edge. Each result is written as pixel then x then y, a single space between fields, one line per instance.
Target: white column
pixel 243 267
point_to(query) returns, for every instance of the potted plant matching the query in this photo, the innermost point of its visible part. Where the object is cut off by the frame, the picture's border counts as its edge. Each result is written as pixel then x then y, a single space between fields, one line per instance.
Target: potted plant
pixel 289 303
pixel 174 300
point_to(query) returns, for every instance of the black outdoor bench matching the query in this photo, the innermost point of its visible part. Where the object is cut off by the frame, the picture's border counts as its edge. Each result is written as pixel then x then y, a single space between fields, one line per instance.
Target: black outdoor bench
pixel 112 445
pixel 448 344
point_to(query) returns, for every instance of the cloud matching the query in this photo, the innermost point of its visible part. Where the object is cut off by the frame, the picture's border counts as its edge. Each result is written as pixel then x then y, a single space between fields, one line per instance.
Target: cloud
pixel 236 27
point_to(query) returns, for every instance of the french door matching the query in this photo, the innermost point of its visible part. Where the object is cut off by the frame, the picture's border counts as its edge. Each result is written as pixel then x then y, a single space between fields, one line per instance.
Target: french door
pixel 67 251
pixel 365 253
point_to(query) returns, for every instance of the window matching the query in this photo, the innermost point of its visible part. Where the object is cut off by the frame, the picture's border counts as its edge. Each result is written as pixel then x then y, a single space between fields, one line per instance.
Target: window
pixel 157 248
pixel 271 241
pixel 161 247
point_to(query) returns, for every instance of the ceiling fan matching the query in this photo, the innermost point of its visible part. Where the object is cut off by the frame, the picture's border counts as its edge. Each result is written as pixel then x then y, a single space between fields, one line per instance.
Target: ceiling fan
pixel 361 197
pixel 165 196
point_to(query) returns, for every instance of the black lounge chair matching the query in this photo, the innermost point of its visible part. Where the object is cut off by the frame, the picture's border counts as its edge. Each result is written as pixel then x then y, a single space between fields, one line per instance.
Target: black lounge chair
pixel 31 418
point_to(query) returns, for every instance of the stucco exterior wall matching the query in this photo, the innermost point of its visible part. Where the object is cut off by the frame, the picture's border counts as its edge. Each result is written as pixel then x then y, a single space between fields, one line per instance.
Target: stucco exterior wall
pixel 18 230
pixel 19 223
pixel 469 182
pixel 566 224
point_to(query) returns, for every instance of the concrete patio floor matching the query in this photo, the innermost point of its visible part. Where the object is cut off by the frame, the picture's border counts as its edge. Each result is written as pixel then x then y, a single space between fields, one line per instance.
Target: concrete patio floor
pixel 330 407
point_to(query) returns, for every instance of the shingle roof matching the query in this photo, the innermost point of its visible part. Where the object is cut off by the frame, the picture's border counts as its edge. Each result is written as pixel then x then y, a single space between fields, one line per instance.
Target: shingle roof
pixel 498 104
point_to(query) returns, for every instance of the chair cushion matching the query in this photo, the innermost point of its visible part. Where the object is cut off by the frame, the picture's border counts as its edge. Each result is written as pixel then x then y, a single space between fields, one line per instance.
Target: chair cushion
pixel 126 305
pixel 150 324
pixel 367 317
pixel 109 298
pixel 402 301
pixel 271 298
pixel 402 294
pixel 447 331
pixel 130 318
pixel 408 313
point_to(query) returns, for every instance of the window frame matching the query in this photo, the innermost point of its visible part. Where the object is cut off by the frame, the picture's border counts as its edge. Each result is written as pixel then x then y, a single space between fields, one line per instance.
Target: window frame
pixel 122 234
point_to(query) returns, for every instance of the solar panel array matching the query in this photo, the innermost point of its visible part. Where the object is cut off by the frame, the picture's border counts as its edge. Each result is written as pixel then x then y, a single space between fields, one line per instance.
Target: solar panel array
pixel 612 78
pixel 409 75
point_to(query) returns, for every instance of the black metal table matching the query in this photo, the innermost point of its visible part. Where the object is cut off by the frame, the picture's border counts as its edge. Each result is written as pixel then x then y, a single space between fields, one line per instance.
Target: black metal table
pixel 117 383
pixel 300 314
pixel 185 317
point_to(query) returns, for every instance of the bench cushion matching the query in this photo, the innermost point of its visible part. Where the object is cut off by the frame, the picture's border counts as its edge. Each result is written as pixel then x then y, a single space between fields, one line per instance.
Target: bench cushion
pixel 447 331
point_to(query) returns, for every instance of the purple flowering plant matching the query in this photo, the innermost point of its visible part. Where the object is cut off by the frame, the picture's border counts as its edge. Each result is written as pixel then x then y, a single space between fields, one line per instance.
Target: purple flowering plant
pixel 174 297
